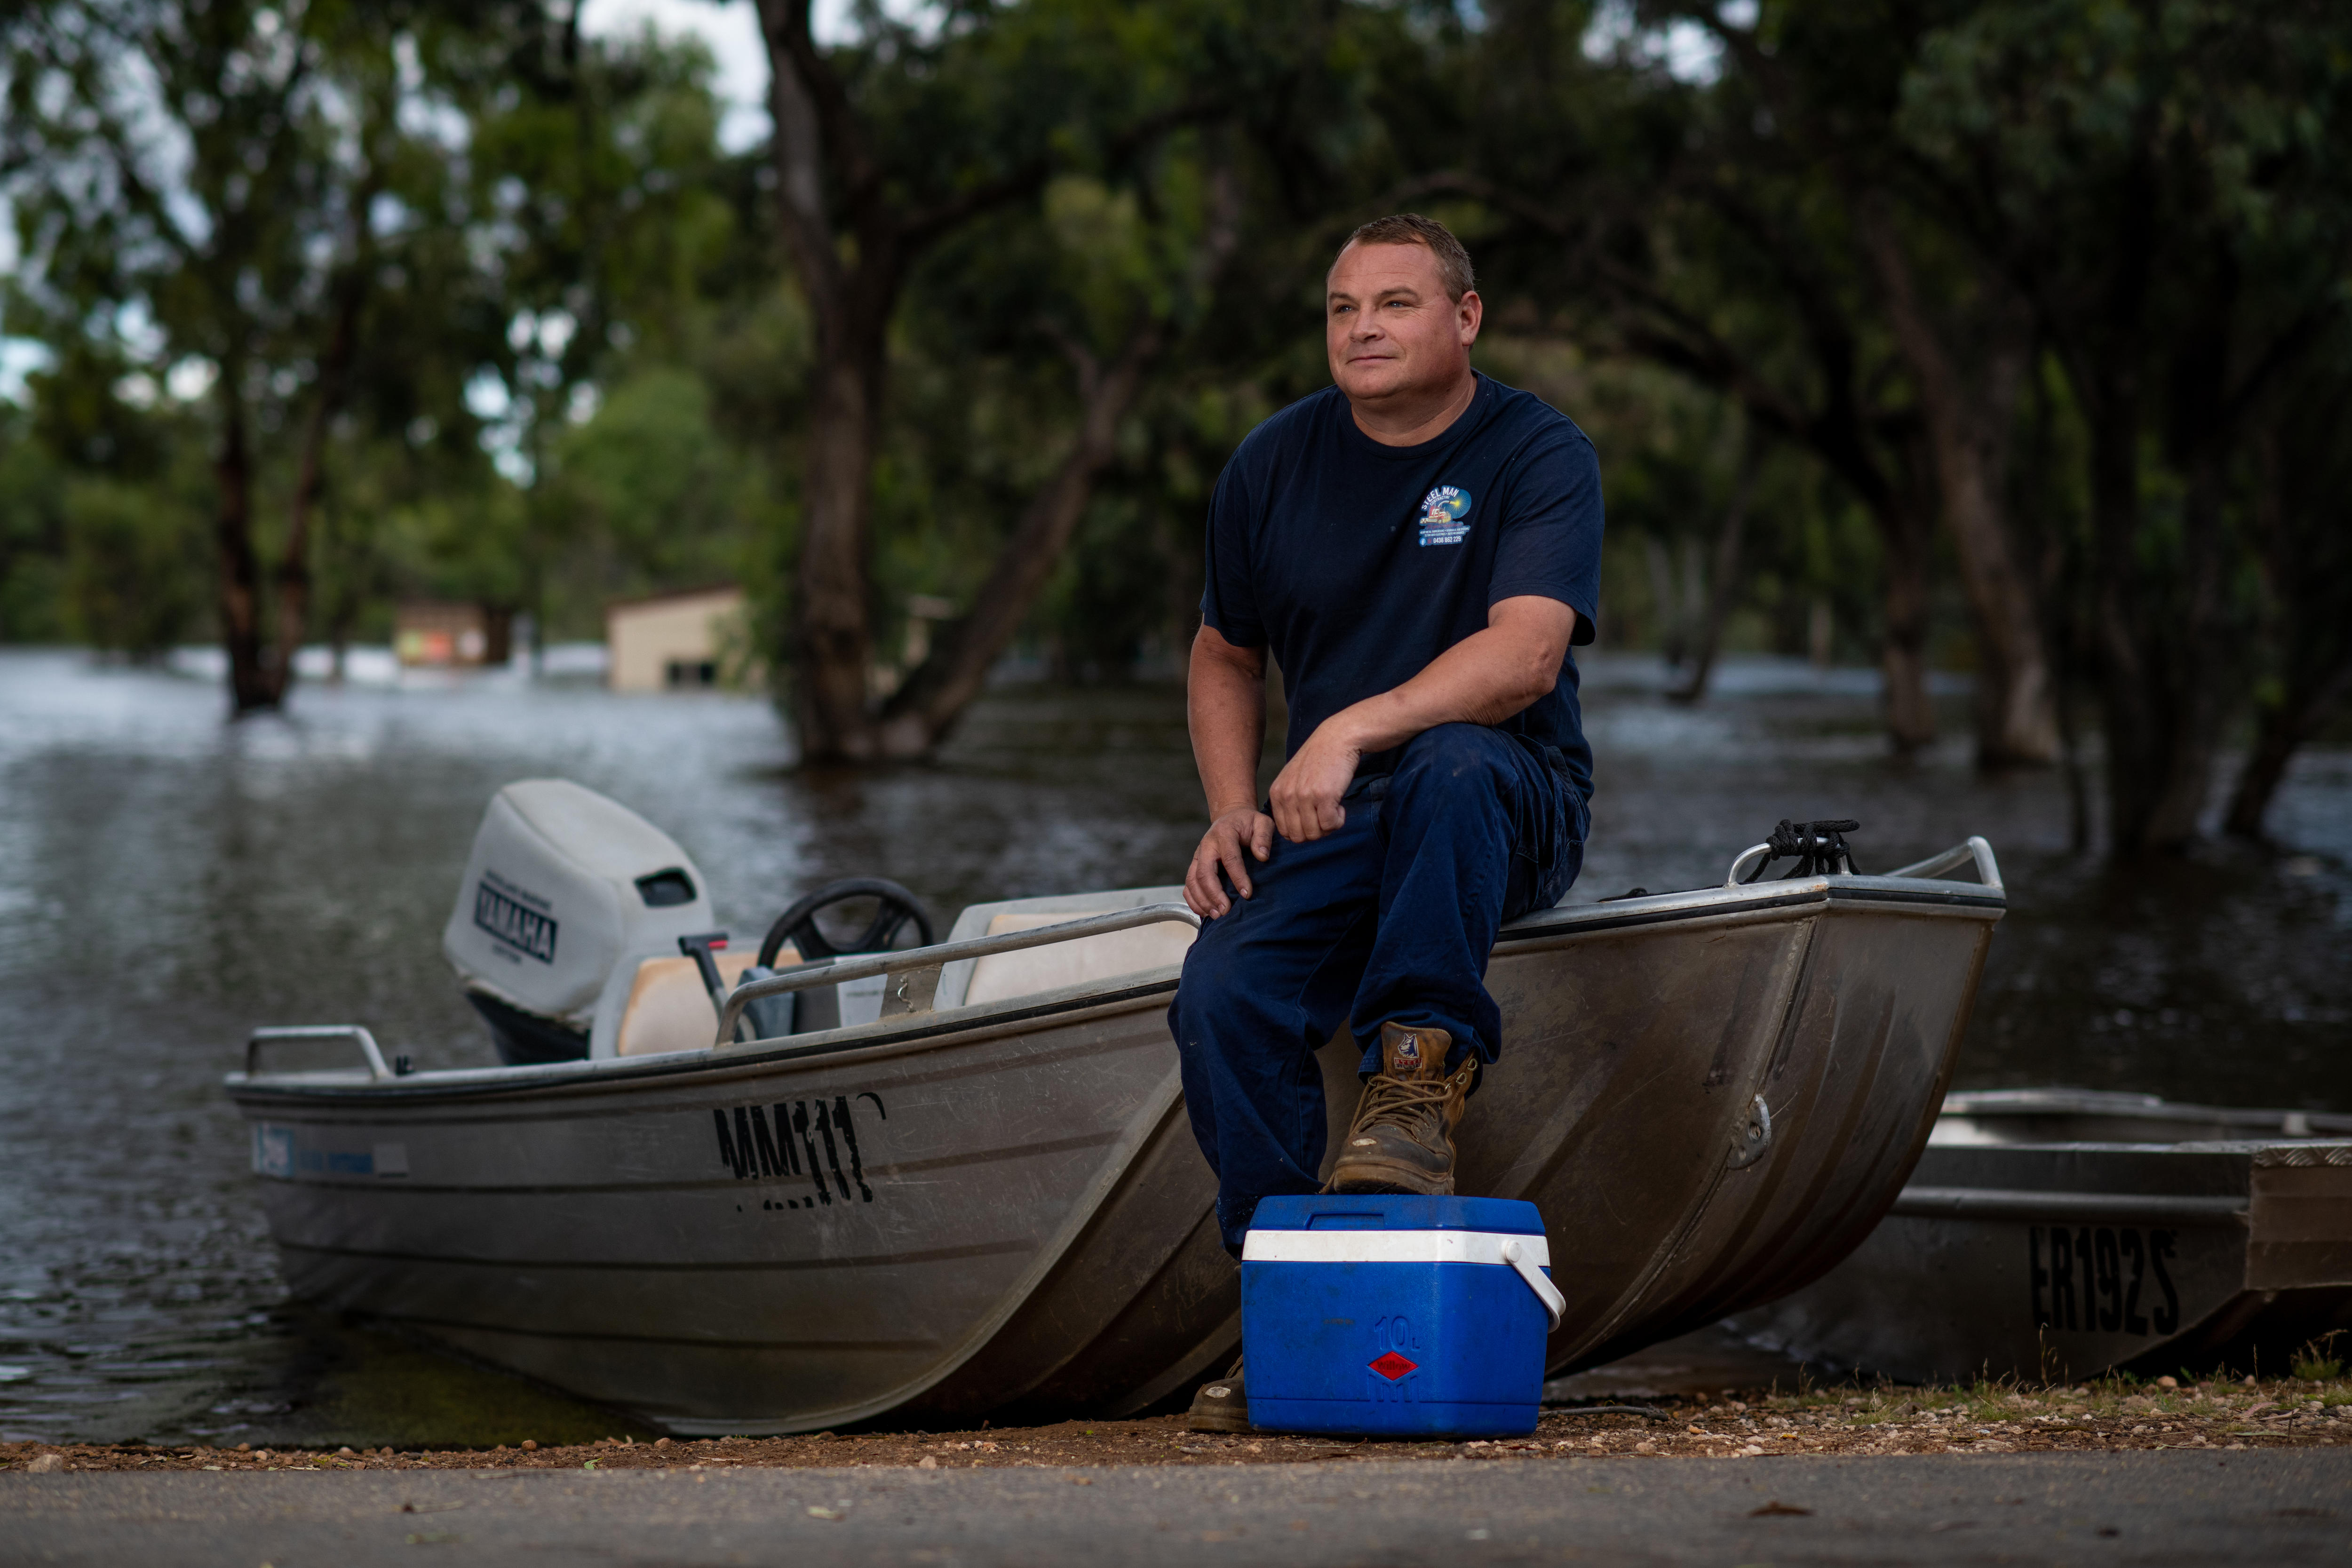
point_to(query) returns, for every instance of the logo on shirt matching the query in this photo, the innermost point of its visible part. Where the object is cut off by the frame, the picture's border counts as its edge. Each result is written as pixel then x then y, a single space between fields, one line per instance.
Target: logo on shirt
pixel 1442 512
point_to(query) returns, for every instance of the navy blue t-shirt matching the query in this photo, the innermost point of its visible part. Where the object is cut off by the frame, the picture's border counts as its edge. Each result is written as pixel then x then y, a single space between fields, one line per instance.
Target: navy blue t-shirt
pixel 1359 563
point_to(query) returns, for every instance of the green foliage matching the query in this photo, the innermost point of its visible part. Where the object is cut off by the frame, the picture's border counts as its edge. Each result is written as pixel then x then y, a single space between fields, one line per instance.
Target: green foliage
pixel 32 535
pixel 134 568
pixel 649 468
pixel 652 491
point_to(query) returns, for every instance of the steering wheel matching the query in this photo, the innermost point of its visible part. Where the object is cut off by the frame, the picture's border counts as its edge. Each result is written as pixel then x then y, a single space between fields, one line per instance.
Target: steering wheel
pixel 798 924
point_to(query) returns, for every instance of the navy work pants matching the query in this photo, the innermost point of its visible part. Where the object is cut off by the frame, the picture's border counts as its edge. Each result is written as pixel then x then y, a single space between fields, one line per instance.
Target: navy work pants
pixel 1388 920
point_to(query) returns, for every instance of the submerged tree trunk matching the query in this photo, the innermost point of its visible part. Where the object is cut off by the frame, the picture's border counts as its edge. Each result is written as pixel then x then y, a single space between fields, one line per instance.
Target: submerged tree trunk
pixel 833 639
pixel 849 303
pixel 251 683
pixel 294 577
pixel 261 660
pixel 2198 664
pixel 1970 420
pixel 1903 657
pixel 2281 729
pixel 1901 503
pixel 2169 657
pixel 852 273
pixel 1666 598
pixel 2134 704
pixel 1724 587
pixel 2306 554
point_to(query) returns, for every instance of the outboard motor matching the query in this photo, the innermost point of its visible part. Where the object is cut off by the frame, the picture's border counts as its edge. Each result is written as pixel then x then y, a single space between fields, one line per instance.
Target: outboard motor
pixel 561 883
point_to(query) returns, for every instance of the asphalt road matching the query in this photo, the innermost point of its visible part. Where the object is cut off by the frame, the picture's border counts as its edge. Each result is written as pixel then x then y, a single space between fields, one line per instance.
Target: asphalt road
pixel 2282 1507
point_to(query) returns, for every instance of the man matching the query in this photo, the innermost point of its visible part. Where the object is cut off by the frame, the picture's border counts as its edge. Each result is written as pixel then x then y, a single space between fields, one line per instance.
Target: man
pixel 1416 546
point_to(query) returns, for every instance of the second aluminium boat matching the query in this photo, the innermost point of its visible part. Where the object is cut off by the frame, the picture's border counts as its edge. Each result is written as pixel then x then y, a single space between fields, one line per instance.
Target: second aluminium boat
pixel 2055 1233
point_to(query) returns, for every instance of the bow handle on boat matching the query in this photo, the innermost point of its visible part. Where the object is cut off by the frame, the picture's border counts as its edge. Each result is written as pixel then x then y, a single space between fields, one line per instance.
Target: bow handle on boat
pixel 1749 863
pixel 1952 859
pixel 311 1031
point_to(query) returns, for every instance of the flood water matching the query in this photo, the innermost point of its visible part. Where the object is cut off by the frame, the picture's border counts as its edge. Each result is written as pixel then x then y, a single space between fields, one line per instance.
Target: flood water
pixel 168 881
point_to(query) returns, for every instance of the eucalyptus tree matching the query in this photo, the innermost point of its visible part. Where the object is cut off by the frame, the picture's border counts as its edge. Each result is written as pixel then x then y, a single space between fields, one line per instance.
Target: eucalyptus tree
pixel 2297 472
pixel 1808 110
pixel 1684 223
pixel 1098 295
pixel 219 190
pixel 86 554
pixel 610 234
pixel 2152 199
pixel 888 145
pixel 2167 185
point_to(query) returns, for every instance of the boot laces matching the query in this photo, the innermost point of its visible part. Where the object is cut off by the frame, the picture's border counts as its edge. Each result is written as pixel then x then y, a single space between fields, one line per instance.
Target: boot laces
pixel 1415 1105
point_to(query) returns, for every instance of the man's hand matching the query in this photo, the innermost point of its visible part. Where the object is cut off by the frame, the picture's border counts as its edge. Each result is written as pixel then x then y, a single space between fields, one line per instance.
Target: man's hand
pixel 1306 794
pixel 1221 850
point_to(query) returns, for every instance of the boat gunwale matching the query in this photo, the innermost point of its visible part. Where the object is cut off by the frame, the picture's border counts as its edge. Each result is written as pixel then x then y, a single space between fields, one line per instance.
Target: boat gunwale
pixel 2013 1105
pixel 1071 1005
pixel 2020 1205
pixel 549 1079
pixel 2144 1146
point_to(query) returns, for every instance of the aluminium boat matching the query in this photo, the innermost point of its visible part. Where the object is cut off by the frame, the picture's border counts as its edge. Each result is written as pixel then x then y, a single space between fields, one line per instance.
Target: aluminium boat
pixel 730 1192
pixel 2056 1234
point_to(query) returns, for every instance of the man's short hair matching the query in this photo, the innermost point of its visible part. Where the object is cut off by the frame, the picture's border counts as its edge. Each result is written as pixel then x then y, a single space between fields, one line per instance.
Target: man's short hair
pixel 1411 228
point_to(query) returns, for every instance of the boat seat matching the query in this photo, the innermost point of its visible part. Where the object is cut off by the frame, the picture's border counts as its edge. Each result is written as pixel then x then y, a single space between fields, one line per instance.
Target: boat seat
pixel 1085 962
pixel 668 1010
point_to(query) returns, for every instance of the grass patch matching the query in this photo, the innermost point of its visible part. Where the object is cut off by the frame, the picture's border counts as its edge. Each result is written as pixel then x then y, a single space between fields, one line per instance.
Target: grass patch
pixel 2317 1361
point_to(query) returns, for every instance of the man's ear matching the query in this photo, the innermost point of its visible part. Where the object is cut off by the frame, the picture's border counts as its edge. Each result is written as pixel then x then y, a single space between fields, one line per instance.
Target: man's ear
pixel 1469 315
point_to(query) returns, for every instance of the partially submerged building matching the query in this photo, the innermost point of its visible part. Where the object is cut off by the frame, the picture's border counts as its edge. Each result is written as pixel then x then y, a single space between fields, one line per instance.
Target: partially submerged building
pixel 441 633
pixel 677 641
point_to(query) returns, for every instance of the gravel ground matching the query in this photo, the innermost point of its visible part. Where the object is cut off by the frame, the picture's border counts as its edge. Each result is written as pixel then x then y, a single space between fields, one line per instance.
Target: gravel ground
pixel 2108 1416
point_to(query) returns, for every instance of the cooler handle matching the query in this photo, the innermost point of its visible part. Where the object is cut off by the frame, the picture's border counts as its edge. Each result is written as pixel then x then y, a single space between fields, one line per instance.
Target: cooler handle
pixel 1554 1303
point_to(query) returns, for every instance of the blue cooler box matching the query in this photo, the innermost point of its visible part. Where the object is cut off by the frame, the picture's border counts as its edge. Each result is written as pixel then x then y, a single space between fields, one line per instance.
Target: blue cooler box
pixel 1393 1315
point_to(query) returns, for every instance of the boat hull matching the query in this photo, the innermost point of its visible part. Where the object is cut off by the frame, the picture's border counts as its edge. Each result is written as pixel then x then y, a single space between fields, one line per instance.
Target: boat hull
pixel 603 1235
pixel 1001 1206
pixel 2061 1260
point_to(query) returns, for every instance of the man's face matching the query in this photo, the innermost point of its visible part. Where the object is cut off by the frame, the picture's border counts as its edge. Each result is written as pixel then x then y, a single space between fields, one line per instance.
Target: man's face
pixel 1388 328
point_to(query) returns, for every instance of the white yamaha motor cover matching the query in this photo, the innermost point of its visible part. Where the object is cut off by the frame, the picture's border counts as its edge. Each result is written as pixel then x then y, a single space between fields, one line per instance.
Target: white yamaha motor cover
pixel 561 884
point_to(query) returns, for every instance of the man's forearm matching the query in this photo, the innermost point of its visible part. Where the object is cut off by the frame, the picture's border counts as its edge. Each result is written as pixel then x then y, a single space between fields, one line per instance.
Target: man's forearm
pixel 1484 679
pixel 1226 705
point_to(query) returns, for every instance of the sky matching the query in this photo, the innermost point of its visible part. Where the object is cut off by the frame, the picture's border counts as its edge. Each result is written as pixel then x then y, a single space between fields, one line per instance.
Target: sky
pixel 18 356
pixel 732 29
pixel 732 32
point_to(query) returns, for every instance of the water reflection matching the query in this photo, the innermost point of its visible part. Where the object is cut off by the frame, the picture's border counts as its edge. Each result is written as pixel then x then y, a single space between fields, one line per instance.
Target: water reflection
pixel 167 882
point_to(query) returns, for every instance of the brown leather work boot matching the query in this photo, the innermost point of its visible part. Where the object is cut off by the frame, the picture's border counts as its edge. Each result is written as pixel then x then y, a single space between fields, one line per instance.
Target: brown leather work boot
pixel 1221 1405
pixel 1402 1140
